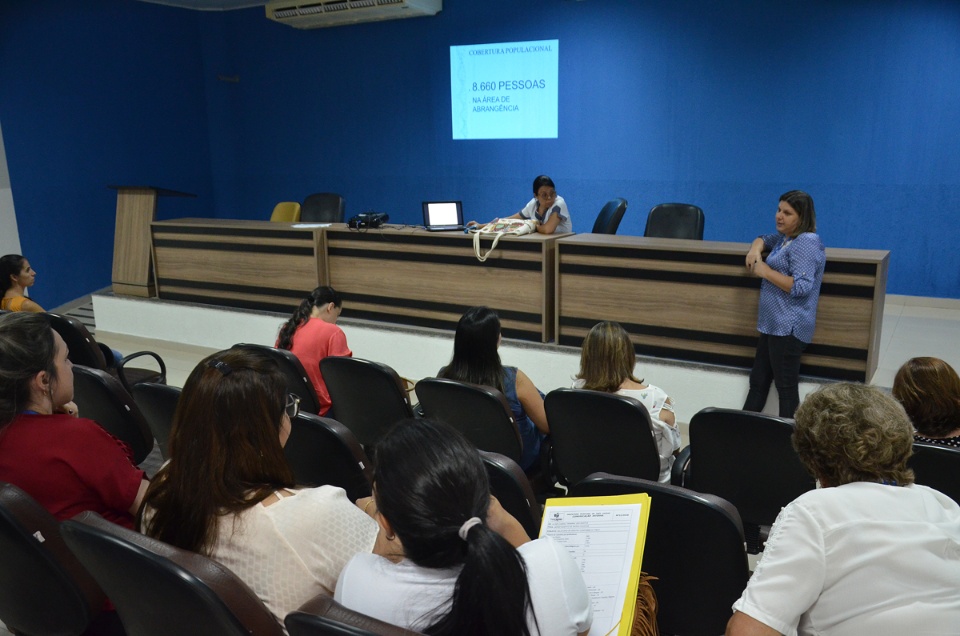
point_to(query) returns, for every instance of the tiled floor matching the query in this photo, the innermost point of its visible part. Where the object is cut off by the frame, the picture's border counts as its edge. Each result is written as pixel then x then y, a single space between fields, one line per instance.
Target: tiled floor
pixel 912 330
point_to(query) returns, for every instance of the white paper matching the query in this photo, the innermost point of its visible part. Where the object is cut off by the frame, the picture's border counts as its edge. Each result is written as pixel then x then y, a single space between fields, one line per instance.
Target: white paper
pixel 602 540
pixel 312 224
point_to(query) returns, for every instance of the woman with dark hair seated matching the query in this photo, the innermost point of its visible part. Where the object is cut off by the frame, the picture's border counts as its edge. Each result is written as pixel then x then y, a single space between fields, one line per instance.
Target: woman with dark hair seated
pixel 453 568
pixel 929 390
pixel 869 552
pixel 312 334
pixel 547 209
pixel 227 491
pixel 476 360
pixel 67 463
pixel 607 360
pixel 15 276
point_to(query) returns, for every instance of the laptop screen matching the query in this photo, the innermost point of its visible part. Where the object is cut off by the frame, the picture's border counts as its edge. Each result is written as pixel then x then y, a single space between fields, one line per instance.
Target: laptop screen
pixel 442 214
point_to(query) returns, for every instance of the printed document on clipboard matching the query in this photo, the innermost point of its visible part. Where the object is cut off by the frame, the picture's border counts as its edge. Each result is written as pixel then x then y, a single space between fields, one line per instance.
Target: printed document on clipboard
pixel 605 536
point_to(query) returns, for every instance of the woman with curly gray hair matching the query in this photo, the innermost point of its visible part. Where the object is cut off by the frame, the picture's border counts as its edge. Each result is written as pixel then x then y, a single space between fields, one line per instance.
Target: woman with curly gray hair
pixel 869 552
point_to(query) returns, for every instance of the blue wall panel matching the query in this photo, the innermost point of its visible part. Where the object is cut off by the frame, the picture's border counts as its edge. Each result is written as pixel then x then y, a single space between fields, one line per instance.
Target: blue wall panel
pixel 725 105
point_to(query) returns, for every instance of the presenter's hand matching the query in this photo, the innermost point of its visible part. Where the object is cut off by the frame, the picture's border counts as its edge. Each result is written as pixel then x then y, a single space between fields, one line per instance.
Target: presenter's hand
pixel 753 258
pixel 760 269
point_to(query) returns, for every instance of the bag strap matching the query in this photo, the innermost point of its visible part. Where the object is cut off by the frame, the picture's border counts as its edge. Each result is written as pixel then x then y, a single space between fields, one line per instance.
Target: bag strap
pixel 476 244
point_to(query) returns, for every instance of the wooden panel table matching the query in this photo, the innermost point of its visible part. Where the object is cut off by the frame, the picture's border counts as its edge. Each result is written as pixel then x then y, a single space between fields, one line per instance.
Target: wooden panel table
pixel 406 275
pixel 695 301
pixel 246 264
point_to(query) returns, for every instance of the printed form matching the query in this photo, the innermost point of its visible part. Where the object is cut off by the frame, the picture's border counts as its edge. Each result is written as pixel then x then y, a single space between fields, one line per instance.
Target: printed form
pixel 606 541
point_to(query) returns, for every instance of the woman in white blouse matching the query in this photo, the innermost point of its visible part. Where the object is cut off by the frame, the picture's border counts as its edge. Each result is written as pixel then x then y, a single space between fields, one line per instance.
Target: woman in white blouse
pixel 227 491
pixel 460 564
pixel 607 360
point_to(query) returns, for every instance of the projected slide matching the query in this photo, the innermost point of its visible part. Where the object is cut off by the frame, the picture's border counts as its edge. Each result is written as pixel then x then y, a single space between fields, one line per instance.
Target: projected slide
pixel 504 91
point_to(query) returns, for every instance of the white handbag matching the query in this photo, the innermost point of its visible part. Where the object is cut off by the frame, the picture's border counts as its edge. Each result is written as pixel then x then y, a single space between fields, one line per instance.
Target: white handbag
pixel 498 228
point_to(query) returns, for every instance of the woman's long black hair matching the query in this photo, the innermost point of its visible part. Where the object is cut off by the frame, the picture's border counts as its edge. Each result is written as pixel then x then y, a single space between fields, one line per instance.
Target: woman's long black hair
pixel 10 265
pixel 475 356
pixel 428 481
pixel 318 298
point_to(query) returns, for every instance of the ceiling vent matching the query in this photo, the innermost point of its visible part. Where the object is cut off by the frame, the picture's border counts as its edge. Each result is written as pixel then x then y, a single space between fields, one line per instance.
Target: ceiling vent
pixel 314 15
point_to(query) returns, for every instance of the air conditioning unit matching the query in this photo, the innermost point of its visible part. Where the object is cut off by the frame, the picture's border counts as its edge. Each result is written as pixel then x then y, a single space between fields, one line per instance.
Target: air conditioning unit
pixel 314 15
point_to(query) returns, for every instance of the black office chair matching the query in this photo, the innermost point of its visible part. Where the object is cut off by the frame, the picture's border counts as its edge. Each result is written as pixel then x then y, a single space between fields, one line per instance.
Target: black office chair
pixel 100 397
pixel 158 403
pixel 675 220
pixel 322 451
pixel 510 485
pixel 481 413
pixel 938 467
pixel 298 382
pixel 86 351
pixel 323 616
pixel 160 590
pixel 695 548
pixel 749 460
pixel 368 397
pixel 44 590
pixel 323 207
pixel 610 216
pixel 594 431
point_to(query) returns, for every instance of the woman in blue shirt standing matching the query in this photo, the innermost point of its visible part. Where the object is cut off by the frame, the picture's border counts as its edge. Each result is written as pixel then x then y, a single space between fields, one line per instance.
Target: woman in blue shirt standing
pixel 789 292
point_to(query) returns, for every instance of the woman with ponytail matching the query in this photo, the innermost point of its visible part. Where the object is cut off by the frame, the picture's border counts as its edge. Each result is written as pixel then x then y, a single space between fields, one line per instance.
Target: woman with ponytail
pixel 460 564
pixel 312 334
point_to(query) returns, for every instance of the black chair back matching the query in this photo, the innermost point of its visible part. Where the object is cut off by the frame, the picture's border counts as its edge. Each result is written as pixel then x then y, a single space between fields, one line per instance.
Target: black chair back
pixel 610 216
pixel 44 590
pixel 160 590
pixel 298 382
pixel 748 459
pixel 158 403
pixel 322 451
pixel 594 431
pixel 510 485
pixel 81 344
pixel 368 397
pixel 938 467
pixel 694 546
pixel 675 220
pixel 481 413
pixel 101 397
pixel 323 207
pixel 323 616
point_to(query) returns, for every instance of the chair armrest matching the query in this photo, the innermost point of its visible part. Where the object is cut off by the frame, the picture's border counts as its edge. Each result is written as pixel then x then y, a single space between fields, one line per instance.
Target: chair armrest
pixel 139 354
pixel 681 467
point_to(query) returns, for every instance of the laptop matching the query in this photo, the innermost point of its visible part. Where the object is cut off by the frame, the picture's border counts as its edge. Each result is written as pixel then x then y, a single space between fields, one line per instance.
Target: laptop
pixel 442 216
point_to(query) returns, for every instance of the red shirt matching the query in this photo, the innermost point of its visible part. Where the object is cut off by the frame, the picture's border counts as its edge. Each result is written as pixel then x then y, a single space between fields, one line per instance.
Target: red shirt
pixel 314 341
pixel 69 465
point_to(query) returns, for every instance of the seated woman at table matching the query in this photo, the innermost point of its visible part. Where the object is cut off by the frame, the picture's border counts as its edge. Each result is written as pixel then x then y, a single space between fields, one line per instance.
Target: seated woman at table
pixel 929 390
pixel 547 208
pixel 67 463
pixel 476 360
pixel 312 334
pixel 607 360
pixel 227 491
pixel 15 276
pixel 869 552
pixel 459 563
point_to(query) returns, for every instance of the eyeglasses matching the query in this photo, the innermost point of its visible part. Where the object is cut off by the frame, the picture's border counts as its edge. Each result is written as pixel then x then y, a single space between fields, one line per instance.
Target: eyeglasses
pixel 292 407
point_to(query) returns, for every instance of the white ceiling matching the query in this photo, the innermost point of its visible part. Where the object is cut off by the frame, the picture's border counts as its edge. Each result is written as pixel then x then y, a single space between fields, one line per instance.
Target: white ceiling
pixel 210 5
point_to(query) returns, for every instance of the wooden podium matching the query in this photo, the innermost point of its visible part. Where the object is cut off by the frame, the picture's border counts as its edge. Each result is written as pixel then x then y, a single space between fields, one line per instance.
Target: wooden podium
pixel 136 210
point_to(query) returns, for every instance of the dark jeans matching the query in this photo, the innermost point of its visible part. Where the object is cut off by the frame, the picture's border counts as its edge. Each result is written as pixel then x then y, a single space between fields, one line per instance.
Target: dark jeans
pixel 778 360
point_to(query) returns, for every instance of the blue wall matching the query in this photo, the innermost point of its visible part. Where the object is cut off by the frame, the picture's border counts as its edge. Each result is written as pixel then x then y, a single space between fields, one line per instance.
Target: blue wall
pixel 725 105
